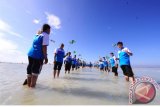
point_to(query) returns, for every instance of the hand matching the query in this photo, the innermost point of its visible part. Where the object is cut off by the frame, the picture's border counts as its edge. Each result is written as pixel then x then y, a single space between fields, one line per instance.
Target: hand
pixel 54 62
pixel 67 53
pixel 116 65
pixel 45 60
pixel 126 51
pixel 130 54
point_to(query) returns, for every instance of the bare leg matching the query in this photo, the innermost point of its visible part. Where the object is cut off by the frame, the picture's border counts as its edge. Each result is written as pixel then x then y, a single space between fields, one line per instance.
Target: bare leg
pixel 33 81
pixel 132 79
pixel 116 74
pixel 58 73
pixel 29 80
pixel 127 78
pixel 108 69
pixel 54 73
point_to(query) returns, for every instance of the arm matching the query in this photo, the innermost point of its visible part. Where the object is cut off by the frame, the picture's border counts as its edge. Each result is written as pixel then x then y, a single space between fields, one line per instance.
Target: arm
pixel 55 58
pixel 65 55
pixel 128 52
pixel 44 49
pixel 45 43
pixel 55 54
pixel 118 56
pixel 116 63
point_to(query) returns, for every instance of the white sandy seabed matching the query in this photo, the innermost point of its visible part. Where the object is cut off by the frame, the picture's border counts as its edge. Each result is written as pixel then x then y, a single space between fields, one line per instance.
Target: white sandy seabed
pixel 83 87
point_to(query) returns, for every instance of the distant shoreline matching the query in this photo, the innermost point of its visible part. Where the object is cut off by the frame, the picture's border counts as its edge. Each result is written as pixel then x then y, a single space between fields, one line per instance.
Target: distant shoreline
pixel 134 66
pixel 146 66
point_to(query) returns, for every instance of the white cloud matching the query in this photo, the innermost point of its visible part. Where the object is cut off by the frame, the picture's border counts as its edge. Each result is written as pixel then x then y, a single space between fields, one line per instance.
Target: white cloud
pixel 53 20
pixel 1 34
pixel 4 25
pixel 7 44
pixel 9 51
pixel 36 21
pixel 6 28
pixel 13 56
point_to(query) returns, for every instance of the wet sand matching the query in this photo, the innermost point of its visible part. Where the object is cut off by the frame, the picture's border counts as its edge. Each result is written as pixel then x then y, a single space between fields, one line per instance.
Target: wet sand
pixel 83 87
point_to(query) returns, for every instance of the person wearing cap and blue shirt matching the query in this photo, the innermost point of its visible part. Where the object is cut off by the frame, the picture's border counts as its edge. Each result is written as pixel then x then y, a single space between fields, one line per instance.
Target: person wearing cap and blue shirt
pixel 124 61
pixel 68 63
pixel 113 63
pixel 37 54
pixel 59 55
pixel 101 66
pixel 74 62
pixel 105 64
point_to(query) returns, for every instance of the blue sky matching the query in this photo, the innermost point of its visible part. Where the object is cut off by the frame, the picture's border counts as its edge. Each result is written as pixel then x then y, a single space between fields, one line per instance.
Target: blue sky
pixel 94 24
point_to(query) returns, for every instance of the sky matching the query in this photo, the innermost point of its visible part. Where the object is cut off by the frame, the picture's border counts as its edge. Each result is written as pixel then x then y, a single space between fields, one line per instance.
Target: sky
pixel 94 24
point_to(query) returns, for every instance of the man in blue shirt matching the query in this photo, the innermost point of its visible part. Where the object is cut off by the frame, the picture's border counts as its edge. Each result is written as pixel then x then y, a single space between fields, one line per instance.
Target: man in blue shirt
pixel 124 61
pixel 90 65
pixel 83 64
pixel 113 64
pixel 73 62
pixel 77 64
pixel 36 55
pixel 68 63
pixel 101 66
pixel 59 54
pixel 105 64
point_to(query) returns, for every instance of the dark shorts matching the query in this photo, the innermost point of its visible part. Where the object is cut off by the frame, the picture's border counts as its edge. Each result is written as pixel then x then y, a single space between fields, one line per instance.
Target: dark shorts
pixel 73 65
pixel 57 66
pixel 127 70
pixel 34 66
pixel 102 68
pixel 68 66
pixel 106 68
pixel 114 70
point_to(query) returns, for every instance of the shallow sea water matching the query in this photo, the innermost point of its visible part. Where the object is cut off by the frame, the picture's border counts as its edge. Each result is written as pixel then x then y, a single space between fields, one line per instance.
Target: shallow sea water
pixel 83 87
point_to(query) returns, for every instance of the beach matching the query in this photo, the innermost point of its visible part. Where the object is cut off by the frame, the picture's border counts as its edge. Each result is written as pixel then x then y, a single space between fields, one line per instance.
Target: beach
pixel 82 87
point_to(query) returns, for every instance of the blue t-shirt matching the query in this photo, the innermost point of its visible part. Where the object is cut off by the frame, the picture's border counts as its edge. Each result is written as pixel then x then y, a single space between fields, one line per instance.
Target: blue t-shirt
pixel 124 58
pixel 36 49
pixel 77 62
pixel 101 65
pixel 112 61
pixel 74 61
pixel 69 59
pixel 59 55
pixel 105 63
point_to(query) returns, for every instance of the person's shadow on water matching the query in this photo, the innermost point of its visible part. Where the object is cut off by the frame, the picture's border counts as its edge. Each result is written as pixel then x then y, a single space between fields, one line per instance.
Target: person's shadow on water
pixel 86 92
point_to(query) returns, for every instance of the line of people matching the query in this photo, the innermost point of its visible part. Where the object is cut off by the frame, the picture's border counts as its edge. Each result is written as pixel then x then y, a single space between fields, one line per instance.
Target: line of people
pixel 37 56
pixel 108 65
pixel 70 63
pixel 123 60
